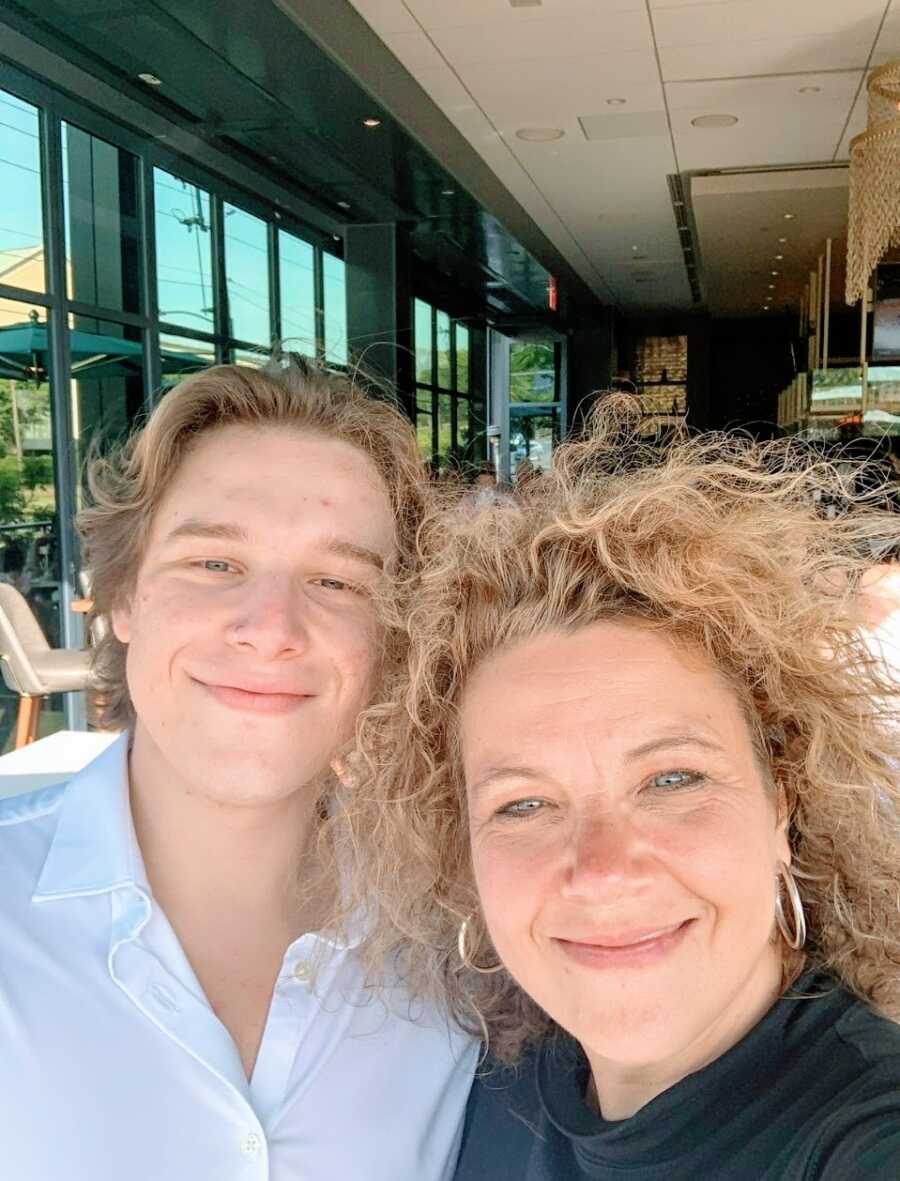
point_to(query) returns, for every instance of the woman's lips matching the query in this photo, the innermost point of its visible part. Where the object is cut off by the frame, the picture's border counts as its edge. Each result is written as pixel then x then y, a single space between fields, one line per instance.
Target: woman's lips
pixel 254 701
pixel 625 948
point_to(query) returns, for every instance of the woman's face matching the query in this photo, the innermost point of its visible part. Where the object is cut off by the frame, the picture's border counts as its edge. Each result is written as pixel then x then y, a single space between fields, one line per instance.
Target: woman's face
pixel 624 839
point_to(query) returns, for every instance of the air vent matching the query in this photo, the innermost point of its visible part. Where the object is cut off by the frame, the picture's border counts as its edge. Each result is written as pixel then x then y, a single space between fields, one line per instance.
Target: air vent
pixel 684 225
pixel 525 3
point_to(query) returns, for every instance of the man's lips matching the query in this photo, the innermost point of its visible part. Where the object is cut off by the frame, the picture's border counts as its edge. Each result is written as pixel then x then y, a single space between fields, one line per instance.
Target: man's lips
pixel 255 699
pixel 625 947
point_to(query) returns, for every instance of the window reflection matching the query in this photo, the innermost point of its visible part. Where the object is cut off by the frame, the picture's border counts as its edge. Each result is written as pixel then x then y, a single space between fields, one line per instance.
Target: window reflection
pixel 21 222
pixel 247 276
pixel 335 284
pixel 182 355
pixel 444 373
pixel 424 372
pixel 107 383
pixel 29 553
pixel 101 204
pixel 183 253
pixel 298 294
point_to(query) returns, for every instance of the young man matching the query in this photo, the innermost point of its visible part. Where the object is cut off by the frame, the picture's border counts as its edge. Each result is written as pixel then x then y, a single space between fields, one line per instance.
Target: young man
pixel 167 1010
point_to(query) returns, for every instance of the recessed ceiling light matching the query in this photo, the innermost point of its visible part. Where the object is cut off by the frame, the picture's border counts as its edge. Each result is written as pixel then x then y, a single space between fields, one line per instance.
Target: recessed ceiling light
pixel 540 135
pixel 634 248
pixel 714 121
pixel 789 217
pixel 810 89
pixel 616 102
pixel 150 79
pixel 448 192
pixel 343 204
pixel 371 122
pixel 779 257
pixel 782 240
pixel 773 273
pixel 771 286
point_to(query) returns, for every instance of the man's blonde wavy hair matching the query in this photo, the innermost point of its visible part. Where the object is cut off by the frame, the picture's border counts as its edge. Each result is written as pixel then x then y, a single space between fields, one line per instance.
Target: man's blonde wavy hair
pixel 721 544
pixel 126 487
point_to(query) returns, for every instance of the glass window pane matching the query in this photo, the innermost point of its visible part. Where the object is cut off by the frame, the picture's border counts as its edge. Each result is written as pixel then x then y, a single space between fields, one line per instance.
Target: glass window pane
pixel 181 355
pixel 532 371
pixel 107 382
pixel 21 220
pixel 423 424
pixel 334 281
pixel 445 434
pixel 462 358
pixel 101 209
pixel 29 551
pixel 424 370
pixel 532 437
pixel 462 424
pixel 255 358
pixel 443 351
pixel 298 294
pixel 183 253
pixel 247 276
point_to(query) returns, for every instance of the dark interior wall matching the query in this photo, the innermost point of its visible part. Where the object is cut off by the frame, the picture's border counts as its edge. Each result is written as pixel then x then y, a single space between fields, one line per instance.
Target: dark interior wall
pixel 751 360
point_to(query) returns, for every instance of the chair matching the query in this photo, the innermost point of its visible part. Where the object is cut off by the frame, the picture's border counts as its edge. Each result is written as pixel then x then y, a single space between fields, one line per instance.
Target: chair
pixel 30 667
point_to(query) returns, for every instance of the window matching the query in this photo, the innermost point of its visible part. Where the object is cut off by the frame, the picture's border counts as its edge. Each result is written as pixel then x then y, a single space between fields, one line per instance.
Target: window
pixel 21 220
pixel 101 214
pixel 184 281
pixel 298 294
pixel 334 283
pixel 247 276
pixel 445 411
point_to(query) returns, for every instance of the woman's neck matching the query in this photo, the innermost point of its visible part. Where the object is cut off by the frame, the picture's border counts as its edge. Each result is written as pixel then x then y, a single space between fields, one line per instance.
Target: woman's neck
pixel 620 1090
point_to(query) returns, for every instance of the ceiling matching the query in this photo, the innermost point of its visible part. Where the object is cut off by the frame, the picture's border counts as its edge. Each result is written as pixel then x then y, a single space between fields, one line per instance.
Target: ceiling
pixel 792 73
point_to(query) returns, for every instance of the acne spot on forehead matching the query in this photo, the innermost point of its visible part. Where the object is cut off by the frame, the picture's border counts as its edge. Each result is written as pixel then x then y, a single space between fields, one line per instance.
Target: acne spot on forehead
pixel 325 502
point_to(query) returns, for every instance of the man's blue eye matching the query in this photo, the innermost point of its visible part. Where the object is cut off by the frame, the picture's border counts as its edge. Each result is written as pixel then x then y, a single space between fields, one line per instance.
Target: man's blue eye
pixel 216 565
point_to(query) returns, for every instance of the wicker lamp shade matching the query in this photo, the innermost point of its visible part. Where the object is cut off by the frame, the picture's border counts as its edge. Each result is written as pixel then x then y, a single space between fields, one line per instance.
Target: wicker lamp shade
pixel 874 223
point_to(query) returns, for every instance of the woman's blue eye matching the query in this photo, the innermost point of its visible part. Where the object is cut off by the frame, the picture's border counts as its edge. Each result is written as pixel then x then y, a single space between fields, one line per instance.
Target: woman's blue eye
pixel 674 779
pixel 521 807
pixel 334 584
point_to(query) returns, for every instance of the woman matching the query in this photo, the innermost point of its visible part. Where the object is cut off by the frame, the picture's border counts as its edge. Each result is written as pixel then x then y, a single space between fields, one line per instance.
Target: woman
pixel 635 814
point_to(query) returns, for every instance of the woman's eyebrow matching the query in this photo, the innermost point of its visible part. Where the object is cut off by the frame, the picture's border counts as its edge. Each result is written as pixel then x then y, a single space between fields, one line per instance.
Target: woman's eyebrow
pixel 675 740
pixel 496 774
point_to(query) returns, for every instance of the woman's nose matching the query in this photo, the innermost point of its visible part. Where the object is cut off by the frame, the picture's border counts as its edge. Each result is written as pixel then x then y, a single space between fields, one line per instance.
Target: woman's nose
pixel 603 856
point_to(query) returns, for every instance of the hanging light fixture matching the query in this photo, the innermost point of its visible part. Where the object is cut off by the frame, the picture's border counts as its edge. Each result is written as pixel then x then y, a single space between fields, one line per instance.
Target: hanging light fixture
pixel 874 223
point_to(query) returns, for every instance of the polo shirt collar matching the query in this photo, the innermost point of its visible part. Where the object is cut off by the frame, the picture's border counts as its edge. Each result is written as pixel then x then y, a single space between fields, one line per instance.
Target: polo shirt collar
pixel 94 849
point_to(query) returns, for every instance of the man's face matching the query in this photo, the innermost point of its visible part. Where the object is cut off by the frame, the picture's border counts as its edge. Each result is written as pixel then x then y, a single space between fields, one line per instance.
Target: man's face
pixel 252 635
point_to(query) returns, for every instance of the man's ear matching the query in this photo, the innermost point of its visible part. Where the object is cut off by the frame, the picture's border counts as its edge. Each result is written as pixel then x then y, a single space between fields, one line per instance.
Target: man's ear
pixel 120 618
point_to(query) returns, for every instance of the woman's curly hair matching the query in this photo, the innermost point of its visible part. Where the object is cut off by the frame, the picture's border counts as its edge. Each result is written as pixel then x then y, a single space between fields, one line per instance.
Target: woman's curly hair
pixel 721 543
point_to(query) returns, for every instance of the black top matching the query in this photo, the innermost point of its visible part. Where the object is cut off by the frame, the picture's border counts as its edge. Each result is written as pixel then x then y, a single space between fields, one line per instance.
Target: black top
pixel 812 1093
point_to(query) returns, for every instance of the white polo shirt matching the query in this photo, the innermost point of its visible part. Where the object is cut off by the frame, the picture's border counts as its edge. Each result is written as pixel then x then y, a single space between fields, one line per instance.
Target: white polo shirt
pixel 113 1066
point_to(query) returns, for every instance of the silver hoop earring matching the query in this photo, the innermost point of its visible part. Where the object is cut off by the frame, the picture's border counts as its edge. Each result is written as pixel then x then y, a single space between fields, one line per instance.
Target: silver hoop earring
pixel 461 941
pixel 796 937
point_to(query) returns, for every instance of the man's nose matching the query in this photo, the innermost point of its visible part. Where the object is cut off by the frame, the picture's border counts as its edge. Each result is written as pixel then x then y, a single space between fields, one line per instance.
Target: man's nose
pixel 270 619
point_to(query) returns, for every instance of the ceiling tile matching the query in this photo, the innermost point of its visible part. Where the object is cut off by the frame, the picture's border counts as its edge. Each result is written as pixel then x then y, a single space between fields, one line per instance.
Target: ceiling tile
pixel 634 125
pixel 441 14
pixel 855 126
pixel 553 40
pixel 751 143
pixel 757 20
pixel 768 56
pixel 414 49
pixel 779 91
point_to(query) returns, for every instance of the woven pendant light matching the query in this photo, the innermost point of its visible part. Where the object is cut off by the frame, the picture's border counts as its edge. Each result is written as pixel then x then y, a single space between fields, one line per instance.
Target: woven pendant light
pixel 874 224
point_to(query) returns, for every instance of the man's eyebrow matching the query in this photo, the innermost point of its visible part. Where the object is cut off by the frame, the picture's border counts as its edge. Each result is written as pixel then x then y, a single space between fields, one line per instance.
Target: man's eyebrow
pixel 360 553
pixel 213 530
pixel 675 740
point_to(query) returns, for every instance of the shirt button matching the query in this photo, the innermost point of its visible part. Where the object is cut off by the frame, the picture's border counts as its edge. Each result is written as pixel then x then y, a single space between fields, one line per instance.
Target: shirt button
pixel 302 972
pixel 251 1144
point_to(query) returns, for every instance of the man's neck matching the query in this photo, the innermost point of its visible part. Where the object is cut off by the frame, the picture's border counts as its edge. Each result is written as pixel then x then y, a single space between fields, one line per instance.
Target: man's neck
pixel 235 881
pixel 202 855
